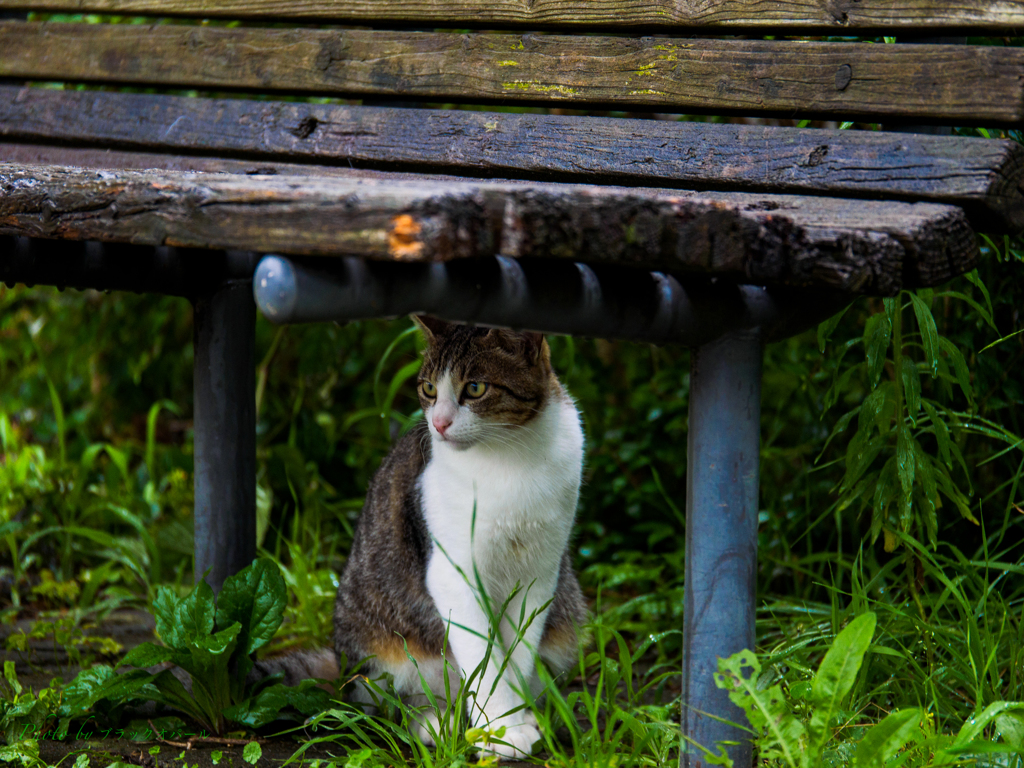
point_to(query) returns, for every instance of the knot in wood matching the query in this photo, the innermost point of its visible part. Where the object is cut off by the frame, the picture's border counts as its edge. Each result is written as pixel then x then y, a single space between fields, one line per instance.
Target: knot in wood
pixel 817 155
pixel 843 77
pixel 305 128
pixel 838 10
pixel 331 50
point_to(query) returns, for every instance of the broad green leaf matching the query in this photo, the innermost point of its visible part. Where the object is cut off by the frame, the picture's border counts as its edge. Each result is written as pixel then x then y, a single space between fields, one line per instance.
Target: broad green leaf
pixel 983 746
pixel 168 690
pixel 147 655
pixel 975 725
pixel 255 598
pixel 838 672
pixel 766 710
pixel 877 333
pixel 266 706
pixel 99 683
pixel 929 334
pixel 81 692
pixel 126 686
pixel 1010 726
pixel 884 740
pixel 221 643
pixel 194 614
pixel 24 752
pixel 164 608
pixel 209 662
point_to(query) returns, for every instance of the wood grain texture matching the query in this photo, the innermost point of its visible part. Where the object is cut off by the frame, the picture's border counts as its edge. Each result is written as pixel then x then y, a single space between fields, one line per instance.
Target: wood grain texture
pixel 982 176
pixel 857 246
pixel 963 84
pixel 828 16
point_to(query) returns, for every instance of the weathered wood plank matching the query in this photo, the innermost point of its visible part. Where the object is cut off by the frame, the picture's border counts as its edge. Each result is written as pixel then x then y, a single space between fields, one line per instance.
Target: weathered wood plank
pixel 980 175
pixel 964 84
pixel 833 17
pixel 861 246
pixel 936 247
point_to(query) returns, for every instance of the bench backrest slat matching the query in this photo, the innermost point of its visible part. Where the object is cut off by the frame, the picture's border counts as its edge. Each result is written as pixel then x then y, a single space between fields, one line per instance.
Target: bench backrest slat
pixel 963 84
pixel 834 17
pixel 983 176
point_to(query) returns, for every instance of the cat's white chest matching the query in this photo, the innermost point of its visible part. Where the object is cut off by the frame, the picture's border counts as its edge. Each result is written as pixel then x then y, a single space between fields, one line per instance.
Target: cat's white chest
pixel 508 510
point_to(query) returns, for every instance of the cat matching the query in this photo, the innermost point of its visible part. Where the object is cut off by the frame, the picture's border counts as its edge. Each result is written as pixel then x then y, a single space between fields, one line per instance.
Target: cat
pixel 485 487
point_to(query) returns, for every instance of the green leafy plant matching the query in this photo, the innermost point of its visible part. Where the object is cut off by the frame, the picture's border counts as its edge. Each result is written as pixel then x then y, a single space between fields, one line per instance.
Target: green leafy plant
pixel 24 716
pixel 213 640
pixel 810 726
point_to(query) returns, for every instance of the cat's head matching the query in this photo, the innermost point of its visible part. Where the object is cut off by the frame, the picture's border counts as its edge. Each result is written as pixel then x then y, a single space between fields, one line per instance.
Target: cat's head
pixel 476 384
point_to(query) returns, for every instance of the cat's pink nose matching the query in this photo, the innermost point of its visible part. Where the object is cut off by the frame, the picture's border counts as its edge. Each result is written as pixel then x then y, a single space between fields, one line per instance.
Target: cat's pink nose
pixel 441 424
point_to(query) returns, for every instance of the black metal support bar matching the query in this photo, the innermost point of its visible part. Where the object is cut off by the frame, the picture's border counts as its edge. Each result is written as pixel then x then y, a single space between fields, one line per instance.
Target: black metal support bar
pixel 120 267
pixel 721 536
pixel 225 432
pixel 553 296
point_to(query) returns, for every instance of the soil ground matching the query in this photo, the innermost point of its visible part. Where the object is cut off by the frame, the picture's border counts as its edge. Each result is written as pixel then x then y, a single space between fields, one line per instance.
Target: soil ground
pixel 45 659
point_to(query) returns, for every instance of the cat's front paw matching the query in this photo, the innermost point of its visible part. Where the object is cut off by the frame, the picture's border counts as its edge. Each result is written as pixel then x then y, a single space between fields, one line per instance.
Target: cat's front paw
pixel 424 725
pixel 518 741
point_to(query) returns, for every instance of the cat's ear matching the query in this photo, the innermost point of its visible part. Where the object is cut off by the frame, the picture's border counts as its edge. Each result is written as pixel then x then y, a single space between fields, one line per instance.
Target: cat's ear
pixel 431 326
pixel 529 344
pixel 536 346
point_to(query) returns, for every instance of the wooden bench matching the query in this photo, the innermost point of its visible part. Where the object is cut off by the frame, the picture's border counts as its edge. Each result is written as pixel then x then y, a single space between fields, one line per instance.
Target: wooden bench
pixel 646 229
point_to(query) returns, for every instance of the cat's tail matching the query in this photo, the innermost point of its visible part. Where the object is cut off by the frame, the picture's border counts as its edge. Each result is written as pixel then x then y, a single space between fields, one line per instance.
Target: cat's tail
pixel 298 666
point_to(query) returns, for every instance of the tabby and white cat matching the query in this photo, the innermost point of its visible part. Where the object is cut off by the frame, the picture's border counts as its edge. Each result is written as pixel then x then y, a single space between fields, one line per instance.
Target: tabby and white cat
pixel 487 485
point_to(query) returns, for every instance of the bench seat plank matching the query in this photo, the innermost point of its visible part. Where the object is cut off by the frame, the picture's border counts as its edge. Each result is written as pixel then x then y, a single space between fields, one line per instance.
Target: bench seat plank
pixel 858 246
pixel 982 176
pixel 836 17
pixel 967 85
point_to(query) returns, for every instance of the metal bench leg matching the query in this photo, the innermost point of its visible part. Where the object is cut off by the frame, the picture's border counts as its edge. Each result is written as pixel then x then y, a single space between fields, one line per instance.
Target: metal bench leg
pixel 225 431
pixel 721 535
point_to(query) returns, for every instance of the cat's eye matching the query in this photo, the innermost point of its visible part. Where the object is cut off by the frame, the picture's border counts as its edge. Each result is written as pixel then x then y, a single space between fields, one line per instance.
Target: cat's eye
pixel 429 389
pixel 475 389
